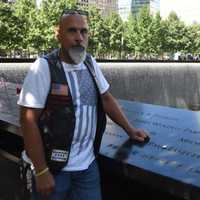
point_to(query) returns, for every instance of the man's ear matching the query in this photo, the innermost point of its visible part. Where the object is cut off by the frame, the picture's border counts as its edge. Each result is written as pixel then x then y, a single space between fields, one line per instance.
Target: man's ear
pixel 57 32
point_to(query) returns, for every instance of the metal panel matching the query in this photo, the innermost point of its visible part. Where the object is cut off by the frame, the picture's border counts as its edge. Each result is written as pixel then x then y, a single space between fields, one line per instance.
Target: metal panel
pixel 173 152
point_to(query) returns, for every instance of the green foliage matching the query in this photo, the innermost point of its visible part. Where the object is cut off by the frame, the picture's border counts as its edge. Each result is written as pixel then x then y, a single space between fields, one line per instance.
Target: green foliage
pixel 25 10
pixel 115 26
pixel 98 33
pixel 144 34
pixel 10 28
pixel 176 33
pixel 37 24
pixel 158 38
pixel 42 29
pixel 194 39
pixel 26 27
pixel 145 31
pixel 131 34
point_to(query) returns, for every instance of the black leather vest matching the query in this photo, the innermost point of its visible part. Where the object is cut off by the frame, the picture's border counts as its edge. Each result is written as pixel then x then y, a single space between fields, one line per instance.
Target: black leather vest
pixel 57 121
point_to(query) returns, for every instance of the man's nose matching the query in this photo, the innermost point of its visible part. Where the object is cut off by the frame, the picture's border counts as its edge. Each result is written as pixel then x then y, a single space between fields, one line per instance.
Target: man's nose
pixel 79 36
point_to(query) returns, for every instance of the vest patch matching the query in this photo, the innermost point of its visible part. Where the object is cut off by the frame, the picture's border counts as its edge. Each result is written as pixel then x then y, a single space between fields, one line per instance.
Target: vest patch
pixel 59 89
pixel 59 155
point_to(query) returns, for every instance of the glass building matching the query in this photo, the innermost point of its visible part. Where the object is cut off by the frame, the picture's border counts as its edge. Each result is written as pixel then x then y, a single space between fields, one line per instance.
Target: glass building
pixel 136 5
pixel 125 7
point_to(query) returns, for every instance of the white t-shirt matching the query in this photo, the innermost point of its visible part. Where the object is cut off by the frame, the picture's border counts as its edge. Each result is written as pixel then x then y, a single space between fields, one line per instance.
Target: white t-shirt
pixel 34 94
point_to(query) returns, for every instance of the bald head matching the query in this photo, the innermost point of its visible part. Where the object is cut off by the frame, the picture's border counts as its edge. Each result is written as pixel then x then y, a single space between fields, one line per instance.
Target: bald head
pixel 65 15
pixel 76 18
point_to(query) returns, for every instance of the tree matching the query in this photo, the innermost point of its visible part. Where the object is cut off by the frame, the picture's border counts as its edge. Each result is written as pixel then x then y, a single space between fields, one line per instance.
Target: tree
pixel 46 22
pixel 158 39
pixel 116 30
pixel 98 33
pixel 39 22
pixel 10 29
pixel 26 27
pixel 177 33
pixel 145 31
pixel 131 35
pixel 42 28
pixel 25 10
pixel 140 33
pixel 194 37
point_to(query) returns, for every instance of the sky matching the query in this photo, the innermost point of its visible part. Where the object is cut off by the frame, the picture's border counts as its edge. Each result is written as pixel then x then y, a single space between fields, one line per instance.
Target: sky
pixel 187 10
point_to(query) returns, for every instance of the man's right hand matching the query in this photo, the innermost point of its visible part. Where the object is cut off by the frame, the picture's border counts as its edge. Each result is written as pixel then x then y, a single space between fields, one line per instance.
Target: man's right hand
pixel 45 184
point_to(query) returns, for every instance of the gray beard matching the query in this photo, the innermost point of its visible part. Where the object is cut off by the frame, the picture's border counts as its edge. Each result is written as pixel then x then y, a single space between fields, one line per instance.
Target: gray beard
pixel 77 54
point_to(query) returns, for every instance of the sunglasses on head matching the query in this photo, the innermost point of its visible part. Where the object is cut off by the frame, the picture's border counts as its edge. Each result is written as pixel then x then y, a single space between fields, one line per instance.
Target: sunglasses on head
pixel 73 12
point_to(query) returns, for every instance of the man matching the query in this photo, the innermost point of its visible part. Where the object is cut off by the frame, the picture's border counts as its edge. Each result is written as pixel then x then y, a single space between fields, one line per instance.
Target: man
pixel 74 102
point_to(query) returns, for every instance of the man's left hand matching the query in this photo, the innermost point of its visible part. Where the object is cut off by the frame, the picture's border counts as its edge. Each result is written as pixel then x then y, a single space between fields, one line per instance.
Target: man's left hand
pixel 137 134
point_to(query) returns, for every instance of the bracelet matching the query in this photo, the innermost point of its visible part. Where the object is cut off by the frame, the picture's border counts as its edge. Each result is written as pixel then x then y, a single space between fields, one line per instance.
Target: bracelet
pixel 42 172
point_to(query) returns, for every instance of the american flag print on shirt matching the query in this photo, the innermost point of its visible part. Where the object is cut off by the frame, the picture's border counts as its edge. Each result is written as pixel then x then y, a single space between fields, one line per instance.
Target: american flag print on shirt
pixel 84 97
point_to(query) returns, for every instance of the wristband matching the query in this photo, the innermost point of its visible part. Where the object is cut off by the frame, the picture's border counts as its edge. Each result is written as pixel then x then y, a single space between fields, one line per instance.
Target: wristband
pixel 42 172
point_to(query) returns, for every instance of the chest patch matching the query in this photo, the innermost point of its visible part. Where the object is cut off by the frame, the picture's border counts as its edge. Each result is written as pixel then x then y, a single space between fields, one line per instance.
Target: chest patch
pixel 59 89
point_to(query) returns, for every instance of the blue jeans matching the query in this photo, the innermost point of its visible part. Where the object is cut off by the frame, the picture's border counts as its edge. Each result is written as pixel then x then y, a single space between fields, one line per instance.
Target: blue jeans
pixel 77 185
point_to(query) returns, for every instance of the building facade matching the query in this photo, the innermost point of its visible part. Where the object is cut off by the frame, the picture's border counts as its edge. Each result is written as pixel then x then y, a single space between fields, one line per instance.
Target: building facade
pixel 82 3
pixel 126 7
pixel 106 6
